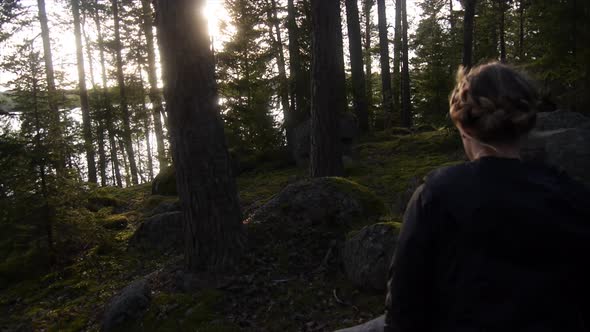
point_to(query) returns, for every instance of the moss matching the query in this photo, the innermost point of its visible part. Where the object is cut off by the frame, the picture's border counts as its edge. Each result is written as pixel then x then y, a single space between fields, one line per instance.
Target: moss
pixel 372 205
pixel 116 222
pixel 182 312
pixel 261 186
pixel 29 265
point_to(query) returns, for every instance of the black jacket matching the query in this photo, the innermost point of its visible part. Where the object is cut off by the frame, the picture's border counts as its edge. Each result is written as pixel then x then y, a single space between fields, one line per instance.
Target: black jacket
pixel 493 245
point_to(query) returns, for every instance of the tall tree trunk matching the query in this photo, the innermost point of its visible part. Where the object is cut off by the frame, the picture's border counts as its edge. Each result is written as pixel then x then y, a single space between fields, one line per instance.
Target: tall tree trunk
pixel 384 56
pixel 154 94
pixel 297 79
pixel 128 182
pixel 451 16
pixel 397 57
pixel 328 99
pixel 469 7
pixel 521 30
pixel 214 234
pixel 86 122
pixel 283 82
pixel 406 112
pixel 106 103
pixel 54 127
pixel 123 96
pixel 367 7
pixel 502 8
pixel 98 114
pixel 359 92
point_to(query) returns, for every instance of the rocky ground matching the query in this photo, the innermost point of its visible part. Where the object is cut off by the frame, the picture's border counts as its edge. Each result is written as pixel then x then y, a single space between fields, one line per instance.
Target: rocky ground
pixel 317 252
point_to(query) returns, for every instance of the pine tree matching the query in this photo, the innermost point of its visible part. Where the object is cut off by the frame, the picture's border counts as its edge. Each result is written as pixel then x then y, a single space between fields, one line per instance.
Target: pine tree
pixel 328 97
pixel 384 56
pixel 214 235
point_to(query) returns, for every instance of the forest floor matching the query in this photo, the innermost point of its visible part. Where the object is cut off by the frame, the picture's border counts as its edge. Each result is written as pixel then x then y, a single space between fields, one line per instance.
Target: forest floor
pixel 271 292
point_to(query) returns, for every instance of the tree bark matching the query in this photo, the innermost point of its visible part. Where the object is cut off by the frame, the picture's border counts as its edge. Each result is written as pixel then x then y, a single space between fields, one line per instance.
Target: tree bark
pixel 521 30
pixel 297 84
pixel 328 98
pixel 123 96
pixel 154 94
pixel 86 122
pixel 469 7
pixel 406 111
pixel 214 234
pixel 283 82
pixel 384 56
pixel 356 65
pixel 367 6
pixel 107 107
pixel 502 8
pixel 397 57
pixel 55 127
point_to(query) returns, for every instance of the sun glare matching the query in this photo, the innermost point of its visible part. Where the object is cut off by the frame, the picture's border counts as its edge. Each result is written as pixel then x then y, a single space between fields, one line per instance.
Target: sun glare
pixel 215 13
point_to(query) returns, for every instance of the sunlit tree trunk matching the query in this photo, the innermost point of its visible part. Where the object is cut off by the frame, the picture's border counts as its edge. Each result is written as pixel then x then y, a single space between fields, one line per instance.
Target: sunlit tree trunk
pixel 154 94
pixel 384 56
pixel 359 92
pixel 214 234
pixel 328 97
pixel 123 95
pixel 283 82
pixel 86 122
pixel 54 127
pixel 107 107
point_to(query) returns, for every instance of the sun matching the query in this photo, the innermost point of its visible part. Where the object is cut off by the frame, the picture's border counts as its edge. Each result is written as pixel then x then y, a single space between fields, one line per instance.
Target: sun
pixel 215 13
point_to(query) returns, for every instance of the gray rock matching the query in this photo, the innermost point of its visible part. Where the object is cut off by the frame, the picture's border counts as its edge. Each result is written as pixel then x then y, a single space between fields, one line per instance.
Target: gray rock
pixel 367 255
pixel 561 139
pixel 320 201
pixel 348 135
pixel 162 231
pixel 561 120
pixel 566 149
pixel 166 206
pixel 129 304
pixel 375 325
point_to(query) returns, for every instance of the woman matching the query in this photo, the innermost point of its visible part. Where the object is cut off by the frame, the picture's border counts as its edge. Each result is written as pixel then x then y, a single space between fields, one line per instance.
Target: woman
pixel 494 244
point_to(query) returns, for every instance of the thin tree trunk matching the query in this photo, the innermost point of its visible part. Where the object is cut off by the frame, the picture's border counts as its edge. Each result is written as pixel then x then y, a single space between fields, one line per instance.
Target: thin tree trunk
pixel 55 126
pixel 123 95
pixel 328 99
pixel 468 33
pixel 86 125
pixel 521 30
pixel 154 94
pixel 107 107
pixel 356 64
pixel 451 16
pixel 283 82
pixel 297 84
pixel 397 57
pixel 502 8
pixel 367 6
pixel 384 56
pixel 146 124
pixel 406 112
pixel 214 234
pixel 121 144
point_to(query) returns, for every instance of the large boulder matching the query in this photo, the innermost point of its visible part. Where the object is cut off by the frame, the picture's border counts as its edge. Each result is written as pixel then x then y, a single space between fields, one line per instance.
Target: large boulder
pixel 161 231
pixel 348 133
pixel 165 182
pixel 129 304
pixel 367 255
pixel 330 200
pixel 561 139
pixel 374 325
